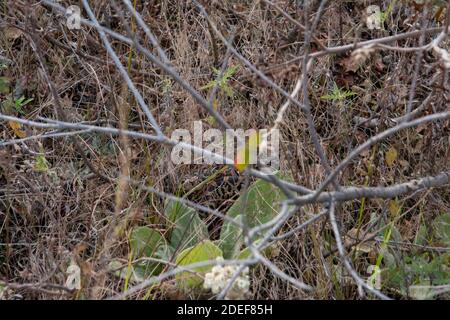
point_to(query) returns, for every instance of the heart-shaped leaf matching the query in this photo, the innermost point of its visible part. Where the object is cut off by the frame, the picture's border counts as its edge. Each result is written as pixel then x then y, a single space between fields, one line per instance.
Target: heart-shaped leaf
pixel 231 238
pixel 188 227
pixel 147 242
pixel 204 251
pixel 259 205
pixel 144 241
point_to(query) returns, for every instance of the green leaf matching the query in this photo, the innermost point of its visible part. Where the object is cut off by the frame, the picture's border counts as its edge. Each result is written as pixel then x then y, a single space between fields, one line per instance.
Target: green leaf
pixel 396 235
pixel 259 205
pixel 188 227
pixel 20 103
pixel 222 81
pixel 268 252
pixel 338 94
pixel 145 269
pixel 145 241
pixel 204 251
pixel 391 156
pixel 41 164
pixel 441 226
pixel 135 274
pixel 231 238
pixel 244 254
pixel 428 267
pixel 208 85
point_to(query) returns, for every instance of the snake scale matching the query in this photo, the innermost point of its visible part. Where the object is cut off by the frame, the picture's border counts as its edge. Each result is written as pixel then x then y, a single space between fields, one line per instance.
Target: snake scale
pixel 213 186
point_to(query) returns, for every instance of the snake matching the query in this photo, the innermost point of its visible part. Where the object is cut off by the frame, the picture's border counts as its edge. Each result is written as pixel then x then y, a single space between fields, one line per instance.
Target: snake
pixel 213 186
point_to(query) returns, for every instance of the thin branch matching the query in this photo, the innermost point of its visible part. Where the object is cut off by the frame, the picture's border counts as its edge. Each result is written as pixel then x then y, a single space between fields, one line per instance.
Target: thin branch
pixel 122 70
pixel 360 282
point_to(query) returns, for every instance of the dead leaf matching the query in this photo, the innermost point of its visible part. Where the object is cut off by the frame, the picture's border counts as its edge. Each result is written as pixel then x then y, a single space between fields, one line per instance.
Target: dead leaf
pixel 66 102
pixel 394 207
pixel 17 129
pixel 391 156
pixel 12 33
pixel 357 59
pixel 74 277
pixel 404 164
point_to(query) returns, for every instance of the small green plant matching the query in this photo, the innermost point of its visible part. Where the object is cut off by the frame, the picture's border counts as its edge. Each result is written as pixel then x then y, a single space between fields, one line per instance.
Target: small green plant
pixel 167 86
pixel 20 103
pixel 337 94
pixel 188 240
pixel 385 14
pixel 418 274
pixel 222 80
pixel 41 164
pixel 13 105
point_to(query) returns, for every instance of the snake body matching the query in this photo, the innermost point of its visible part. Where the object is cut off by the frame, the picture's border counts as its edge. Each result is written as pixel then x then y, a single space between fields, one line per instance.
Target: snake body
pixel 213 186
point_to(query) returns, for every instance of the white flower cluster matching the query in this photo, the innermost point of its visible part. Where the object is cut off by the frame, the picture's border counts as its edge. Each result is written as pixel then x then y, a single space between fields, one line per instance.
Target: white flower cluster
pixel 218 279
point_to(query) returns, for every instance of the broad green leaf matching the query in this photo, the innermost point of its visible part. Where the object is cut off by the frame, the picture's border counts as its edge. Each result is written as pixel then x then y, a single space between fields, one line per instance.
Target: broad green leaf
pixel 145 269
pixel 259 205
pixel 145 241
pixel 133 275
pixel 188 228
pixel 204 251
pixel 389 259
pixel 244 254
pixel 231 238
pixel 268 252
